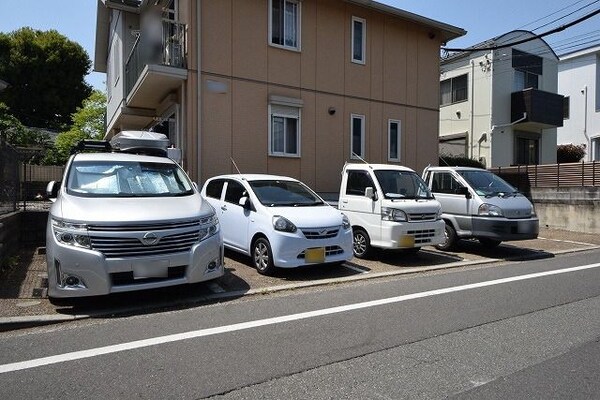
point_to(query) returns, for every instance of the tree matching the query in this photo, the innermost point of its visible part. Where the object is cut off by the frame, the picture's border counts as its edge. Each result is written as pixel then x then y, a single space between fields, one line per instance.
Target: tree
pixel 570 153
pixel 16 134
pixel 87 123
pixel 46 73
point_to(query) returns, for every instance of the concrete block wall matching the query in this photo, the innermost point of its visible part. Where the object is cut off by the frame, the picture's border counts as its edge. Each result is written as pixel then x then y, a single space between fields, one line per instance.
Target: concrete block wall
pixel 574 209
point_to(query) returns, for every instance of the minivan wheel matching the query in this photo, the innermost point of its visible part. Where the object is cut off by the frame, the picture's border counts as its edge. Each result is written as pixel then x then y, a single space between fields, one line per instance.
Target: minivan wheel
pixel 489 243
pixel 450 241
pixel 262 257
pixel 361 244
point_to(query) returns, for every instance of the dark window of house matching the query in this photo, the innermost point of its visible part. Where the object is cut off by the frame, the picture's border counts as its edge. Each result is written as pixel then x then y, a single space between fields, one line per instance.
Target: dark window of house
pixel 214 188
pixel 528 69
pixel 566 107
pixel 454 90
pixel 358 181
pixel 528 151
pixel 285 16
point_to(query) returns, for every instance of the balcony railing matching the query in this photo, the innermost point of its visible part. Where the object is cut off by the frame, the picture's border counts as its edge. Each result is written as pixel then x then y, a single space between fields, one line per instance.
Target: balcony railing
pixel 542 109
pixel 169 50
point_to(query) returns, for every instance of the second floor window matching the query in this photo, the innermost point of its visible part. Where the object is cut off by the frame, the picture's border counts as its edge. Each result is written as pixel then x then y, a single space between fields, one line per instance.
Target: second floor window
pixel 285 23
pixel 359 40
pixel 528 69
pixel 285 131
pixel 454 90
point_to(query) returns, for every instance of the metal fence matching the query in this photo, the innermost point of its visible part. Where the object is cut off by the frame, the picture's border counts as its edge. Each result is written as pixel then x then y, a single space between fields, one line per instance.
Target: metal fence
pixel 525 177
pixel 9 178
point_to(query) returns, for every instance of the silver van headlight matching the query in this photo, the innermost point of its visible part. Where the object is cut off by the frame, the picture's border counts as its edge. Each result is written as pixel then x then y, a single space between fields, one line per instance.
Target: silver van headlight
pixel 210 227
pixel 71 234
pixel 490 210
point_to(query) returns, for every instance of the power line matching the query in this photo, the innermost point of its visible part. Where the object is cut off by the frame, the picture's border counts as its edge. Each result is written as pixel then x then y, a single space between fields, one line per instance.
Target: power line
pixel 549 15
pixel 565 16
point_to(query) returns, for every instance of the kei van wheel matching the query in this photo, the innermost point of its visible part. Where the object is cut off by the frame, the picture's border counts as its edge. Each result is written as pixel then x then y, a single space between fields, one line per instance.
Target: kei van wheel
pixel 361 243
pixel 450 242
pixel 262 257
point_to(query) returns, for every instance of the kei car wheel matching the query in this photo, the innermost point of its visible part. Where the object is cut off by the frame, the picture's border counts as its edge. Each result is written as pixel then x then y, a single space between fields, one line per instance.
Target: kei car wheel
pixel 450 235
pixel 262 257
pixel 489 243
pixel 361 244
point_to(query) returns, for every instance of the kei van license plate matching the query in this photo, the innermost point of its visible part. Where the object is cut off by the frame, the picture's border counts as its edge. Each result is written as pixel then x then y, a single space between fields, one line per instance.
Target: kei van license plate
pixel 151 269
pixel 406 241
pixel 315 255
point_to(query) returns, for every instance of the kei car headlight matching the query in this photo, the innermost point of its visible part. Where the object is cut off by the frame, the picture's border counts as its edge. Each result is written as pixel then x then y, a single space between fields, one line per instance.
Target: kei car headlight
pixel 283 224
pixel 71 234
pixel 438 215
pixel 210 227
pixel 393 214
pixel 490 210
pixel 345 222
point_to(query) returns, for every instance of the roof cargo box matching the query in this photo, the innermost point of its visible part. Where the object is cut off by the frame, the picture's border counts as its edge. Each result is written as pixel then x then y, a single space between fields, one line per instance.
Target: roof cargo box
pixel 140 142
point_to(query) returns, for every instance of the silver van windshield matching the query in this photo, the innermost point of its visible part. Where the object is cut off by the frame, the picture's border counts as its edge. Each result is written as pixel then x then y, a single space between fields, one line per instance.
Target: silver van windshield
pixel 486 183
pixel 397 184
pixel 127 179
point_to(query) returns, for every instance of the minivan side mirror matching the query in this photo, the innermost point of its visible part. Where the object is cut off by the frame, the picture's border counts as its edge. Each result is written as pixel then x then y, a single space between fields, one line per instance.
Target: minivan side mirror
pixel 464 191
pixel 52 190
pixel 370 193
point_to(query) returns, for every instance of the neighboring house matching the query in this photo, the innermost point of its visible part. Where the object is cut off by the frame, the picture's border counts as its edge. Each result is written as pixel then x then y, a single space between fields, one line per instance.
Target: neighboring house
pixel 501 106
pixel 578 80
pixel 290 87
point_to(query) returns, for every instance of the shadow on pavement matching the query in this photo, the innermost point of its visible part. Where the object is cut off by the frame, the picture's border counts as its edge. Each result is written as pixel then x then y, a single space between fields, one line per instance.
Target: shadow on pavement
pixel 14 274
pixel 504 251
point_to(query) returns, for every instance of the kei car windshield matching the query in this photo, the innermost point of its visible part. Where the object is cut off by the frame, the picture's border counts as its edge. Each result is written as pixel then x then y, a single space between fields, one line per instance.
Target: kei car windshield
pixel 486 183
pixel 402 185
pixel 282 193
pixel 127 179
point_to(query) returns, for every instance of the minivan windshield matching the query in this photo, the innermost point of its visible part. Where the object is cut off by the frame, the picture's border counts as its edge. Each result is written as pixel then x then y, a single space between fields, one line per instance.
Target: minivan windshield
pixel 127 179
pixel 402 185
pixel 282 193
pixel 486 183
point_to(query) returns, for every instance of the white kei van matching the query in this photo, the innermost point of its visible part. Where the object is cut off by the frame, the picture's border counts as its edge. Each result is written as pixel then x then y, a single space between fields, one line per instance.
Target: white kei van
pixel 479 204
pixel 389 207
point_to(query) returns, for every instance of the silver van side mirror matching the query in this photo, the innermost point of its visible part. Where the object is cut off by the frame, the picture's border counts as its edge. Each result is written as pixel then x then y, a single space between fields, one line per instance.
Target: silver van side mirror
pixel 464 191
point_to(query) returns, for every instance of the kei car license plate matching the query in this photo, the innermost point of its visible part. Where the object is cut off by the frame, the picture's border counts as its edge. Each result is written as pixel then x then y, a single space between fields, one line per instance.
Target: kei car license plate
pixel 315 255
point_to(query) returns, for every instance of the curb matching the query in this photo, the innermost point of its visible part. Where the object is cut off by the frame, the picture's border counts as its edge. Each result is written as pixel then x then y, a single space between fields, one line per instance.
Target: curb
pixel 22 322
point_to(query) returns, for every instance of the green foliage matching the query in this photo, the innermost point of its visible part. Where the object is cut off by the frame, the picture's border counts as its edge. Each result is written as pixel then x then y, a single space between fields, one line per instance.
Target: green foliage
pixel 570 153
pixel 88 123
pixel 16 134
pixel 459 162
pixel 46 73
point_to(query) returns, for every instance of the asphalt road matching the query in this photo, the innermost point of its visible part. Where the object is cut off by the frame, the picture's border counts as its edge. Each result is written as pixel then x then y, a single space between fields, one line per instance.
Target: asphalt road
pixel 510 330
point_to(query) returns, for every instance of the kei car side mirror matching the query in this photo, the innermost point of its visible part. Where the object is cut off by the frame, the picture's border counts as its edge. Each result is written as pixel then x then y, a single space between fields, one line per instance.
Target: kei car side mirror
pixel 245 203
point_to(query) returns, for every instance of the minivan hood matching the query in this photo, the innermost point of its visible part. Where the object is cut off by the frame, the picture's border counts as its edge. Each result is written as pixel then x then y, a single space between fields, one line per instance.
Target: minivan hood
pixel 101 210
pixel 512 206
pixel 309 217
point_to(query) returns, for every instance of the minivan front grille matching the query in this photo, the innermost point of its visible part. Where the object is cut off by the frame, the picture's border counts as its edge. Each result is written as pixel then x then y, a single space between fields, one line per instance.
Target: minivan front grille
pixel 159 226
pixel 423 236
pixel 320 233
pixel 113 247
pixel 422 217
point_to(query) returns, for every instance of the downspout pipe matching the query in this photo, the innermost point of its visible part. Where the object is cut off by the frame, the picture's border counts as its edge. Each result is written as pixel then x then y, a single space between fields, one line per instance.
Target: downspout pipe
pixel 523 118
pixel 472 115
pixel 585 118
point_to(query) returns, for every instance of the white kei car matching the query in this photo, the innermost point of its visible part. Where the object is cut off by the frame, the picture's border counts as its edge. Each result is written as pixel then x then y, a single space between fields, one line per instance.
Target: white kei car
pixel 278 221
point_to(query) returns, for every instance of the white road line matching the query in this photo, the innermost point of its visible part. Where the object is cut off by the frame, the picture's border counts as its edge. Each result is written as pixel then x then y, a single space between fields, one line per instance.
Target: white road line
pixel 567 241
pixel 77 355
pixel 360 271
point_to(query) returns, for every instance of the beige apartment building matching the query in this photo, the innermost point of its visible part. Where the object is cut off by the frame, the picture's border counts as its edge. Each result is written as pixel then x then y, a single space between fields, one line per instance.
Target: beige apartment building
pixel 289 87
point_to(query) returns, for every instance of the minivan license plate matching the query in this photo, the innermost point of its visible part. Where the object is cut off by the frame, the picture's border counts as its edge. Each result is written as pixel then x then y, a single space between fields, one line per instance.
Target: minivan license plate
pixel 151 269
pixel 315 255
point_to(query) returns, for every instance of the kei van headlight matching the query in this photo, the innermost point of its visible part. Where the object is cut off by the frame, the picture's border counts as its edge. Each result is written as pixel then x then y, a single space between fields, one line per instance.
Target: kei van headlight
pixel 71 234
pixel 490 210
pixel 345 222
pixel 210 227
pixel 283 224
pixel 393 214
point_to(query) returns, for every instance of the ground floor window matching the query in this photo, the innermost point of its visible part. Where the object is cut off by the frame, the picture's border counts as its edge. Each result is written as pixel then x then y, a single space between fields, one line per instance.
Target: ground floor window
pixel 357 136
pixel 595 149
pixel 284 131
pixel 527 150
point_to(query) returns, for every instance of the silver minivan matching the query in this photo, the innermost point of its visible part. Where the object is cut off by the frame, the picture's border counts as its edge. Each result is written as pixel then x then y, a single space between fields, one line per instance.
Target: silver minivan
pixel 479 204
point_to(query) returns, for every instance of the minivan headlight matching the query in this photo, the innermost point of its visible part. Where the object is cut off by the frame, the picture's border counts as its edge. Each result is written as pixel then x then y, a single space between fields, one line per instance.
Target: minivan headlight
pixel 490 210
pixel 393 214
pixel 71 234
pixel 210 227
pixel 283 224
pixel 345 222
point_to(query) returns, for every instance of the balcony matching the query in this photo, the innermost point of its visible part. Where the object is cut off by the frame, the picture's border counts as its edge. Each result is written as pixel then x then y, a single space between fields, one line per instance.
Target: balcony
pixel 156 68
pixel 544 109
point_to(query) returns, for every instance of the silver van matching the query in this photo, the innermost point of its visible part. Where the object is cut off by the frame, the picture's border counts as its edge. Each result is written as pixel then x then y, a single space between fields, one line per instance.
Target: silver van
pixel 124 220
pixel 479 204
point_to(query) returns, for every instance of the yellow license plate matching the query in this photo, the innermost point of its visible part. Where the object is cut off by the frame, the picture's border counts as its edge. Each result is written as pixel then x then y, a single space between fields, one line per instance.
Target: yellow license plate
pixel 315 255
pixel 406 241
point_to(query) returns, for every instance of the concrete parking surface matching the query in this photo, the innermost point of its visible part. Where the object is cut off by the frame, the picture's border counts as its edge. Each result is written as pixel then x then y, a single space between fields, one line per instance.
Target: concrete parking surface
pixel 23 299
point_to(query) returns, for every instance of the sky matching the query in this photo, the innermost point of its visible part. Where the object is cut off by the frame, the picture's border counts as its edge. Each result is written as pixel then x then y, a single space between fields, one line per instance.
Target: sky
pixel 76 19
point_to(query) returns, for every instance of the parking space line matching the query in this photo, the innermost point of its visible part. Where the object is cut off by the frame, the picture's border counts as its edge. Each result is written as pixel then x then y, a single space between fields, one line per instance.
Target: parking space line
pixel 567 241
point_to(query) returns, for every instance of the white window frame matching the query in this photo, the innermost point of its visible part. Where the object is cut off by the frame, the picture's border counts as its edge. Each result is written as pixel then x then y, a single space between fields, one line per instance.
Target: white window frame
pixel 363 21
pixel 289 115
pixel 362 135
pixel 398 138
pixel 298 26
